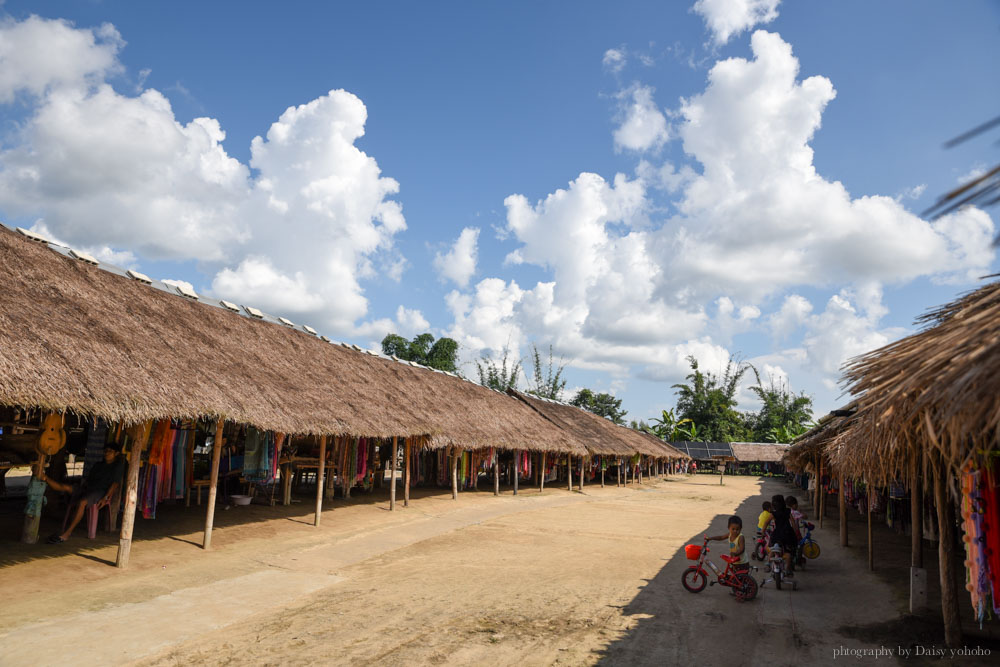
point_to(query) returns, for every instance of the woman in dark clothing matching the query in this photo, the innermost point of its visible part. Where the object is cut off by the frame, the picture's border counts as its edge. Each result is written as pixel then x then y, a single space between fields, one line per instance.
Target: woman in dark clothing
pixel 784 532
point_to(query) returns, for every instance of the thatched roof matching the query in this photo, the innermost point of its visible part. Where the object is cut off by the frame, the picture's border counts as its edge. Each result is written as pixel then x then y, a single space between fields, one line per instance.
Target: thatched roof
pixel 599 435
pixel 936 391
pixel 80 338
pixel 747 452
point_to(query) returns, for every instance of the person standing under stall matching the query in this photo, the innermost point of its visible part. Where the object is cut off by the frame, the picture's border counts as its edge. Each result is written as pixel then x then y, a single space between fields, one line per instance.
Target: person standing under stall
pixel 97 488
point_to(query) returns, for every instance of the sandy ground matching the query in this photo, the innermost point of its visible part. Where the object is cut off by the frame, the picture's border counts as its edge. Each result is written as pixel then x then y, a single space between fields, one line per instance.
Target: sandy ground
pixel 537 579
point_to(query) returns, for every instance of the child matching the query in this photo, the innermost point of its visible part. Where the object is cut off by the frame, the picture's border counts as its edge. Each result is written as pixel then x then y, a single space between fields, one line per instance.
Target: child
pixel 764 519
pixel 784 531
pixel 737 543
pixel 798 518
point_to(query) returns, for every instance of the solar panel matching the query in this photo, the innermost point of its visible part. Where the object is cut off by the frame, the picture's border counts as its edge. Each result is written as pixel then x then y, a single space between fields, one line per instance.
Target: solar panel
pixel 229 305
pixel 253 312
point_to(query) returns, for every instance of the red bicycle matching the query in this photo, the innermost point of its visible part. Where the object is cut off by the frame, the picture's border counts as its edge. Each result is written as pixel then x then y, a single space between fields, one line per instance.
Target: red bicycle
pixel 696 577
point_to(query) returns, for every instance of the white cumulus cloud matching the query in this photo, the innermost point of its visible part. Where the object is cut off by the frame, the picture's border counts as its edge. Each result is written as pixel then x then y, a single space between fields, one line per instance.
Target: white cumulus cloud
pixel 642 126
pixel 725 18
pixel 119 173
pixel 459 263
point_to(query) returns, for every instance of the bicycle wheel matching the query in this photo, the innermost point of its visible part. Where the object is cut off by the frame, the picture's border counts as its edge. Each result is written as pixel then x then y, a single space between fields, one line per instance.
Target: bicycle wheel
pixel 777 580
pixel 694 580
pixel 747 590
pixel 810 550
pixel 761 551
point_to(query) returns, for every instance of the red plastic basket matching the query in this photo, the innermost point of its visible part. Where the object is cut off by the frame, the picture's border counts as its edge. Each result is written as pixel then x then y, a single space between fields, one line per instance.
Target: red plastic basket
pixel 693 551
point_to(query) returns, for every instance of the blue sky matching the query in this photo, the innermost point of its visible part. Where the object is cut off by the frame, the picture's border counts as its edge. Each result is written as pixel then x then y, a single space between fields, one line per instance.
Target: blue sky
pixel 726 233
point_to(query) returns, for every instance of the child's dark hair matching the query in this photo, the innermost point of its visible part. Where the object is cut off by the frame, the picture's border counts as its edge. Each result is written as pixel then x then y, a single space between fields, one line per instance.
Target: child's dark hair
pixel 735 519
pixel 778 502
pixel 767 506
pixel 791 500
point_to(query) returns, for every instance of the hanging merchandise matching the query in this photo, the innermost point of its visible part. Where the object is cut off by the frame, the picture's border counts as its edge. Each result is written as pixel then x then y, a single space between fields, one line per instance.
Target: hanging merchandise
pixel 990 513
pixel 97 436
pixel 976 569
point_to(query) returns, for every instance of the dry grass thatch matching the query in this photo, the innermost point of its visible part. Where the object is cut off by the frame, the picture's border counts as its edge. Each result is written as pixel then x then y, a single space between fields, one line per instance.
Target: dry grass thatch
pixel 754 452
pixel 600 436
pixel 935 393
pixel 74 337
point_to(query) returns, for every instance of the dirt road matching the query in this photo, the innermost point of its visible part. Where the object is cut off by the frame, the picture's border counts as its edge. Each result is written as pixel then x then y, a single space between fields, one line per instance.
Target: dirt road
pixel 538 579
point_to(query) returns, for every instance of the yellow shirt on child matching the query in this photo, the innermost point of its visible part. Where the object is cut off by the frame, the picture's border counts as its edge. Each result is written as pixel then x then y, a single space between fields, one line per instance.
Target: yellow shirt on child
pixel 764 519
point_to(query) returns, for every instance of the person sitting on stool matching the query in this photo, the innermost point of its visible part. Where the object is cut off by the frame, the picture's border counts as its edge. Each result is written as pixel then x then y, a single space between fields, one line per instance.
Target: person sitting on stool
pixel 96 489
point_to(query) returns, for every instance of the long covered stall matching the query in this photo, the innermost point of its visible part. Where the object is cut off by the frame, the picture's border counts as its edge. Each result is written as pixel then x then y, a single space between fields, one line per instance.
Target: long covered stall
pixel 760 457
pixel 607 444
pixel 168 374
pixel 926 421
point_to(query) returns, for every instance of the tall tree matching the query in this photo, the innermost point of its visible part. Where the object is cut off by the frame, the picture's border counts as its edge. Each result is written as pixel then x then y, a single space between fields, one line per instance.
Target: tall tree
pixel 499 374
pixel 547 379
pixel 605 405
pixel 782 415
pixel 709 400
pixel 441 354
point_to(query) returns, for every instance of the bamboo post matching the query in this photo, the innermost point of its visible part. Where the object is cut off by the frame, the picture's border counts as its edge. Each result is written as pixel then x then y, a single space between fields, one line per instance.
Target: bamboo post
pixel 516 468
pixel 569 470
pixel 842 508
pixel 602 471
pixel 132 493
pixel 392 473
pixel 946 558
pixel 583 464
pixel 213 484
pixel 320 470
pixel 454 473
pixel 406 474
pixel 916 516
pixel 496 473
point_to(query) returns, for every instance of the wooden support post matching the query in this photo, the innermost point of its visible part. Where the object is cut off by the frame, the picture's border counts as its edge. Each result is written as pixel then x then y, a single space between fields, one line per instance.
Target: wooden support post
pixel 602 471
pixel 140 434
pixel 541 475
pixel 946 556
pixel 406 474
pixel 842 508
pixel 516 468
pixel 619 473
pixel 496 473
pixel 320 470
pixel 868 508
pixel 213 483
pixel 918 575
pixel 569 470
pixel 916 516
pixel 29 533
pixel 454 473
pixel 393 453
pixel 723 473
pixel 822 495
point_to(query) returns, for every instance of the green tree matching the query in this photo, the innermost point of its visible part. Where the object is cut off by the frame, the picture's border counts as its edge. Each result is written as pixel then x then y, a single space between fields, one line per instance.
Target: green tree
pixel 605 405
pixel 782 415
pixel 441 354
pixel 668 427
pixel 709 400
pixel 547 379
pixel 499 374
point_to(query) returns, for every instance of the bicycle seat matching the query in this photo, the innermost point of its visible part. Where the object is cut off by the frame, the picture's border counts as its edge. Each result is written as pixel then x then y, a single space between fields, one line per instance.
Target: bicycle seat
pixel 730 559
